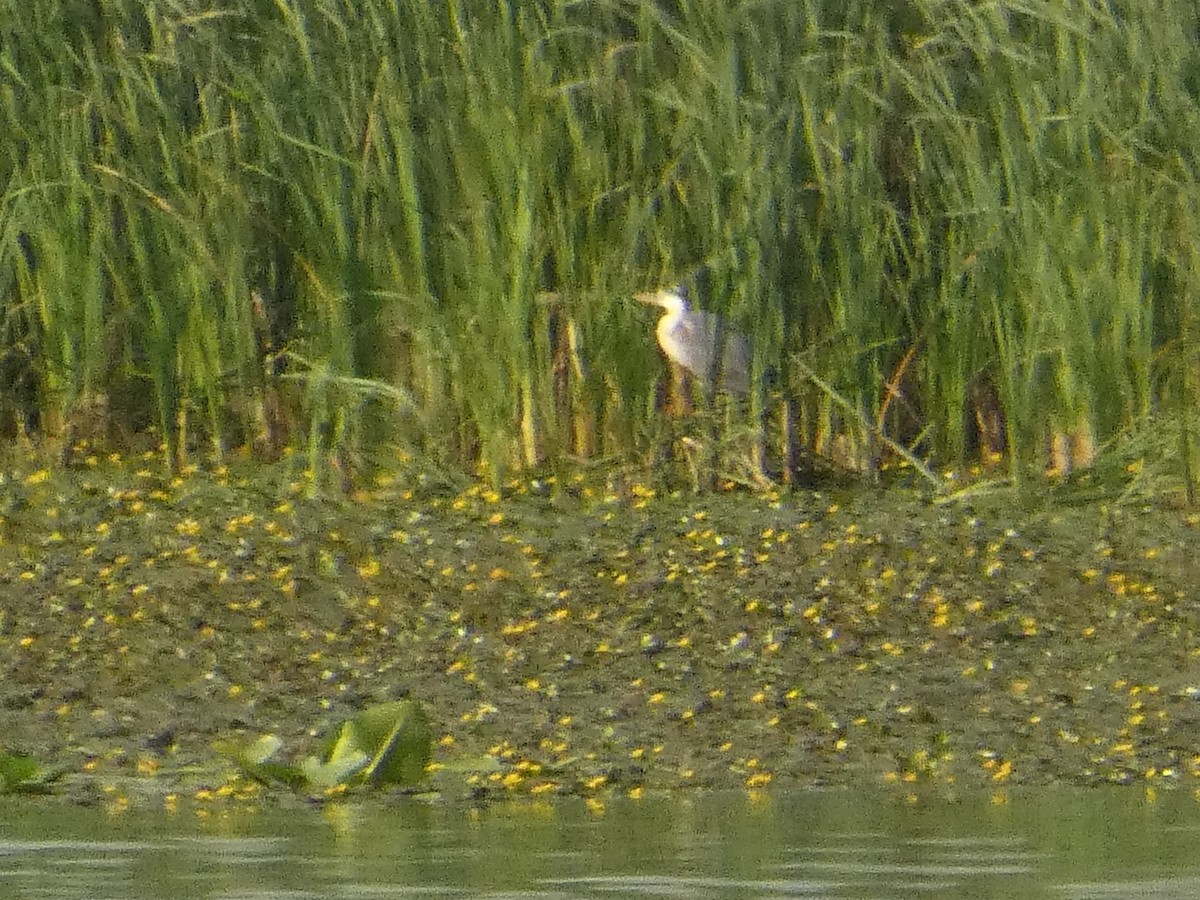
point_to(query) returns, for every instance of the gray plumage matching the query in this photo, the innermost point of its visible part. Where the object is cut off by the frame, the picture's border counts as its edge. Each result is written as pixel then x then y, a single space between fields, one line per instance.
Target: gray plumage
pixel 689 338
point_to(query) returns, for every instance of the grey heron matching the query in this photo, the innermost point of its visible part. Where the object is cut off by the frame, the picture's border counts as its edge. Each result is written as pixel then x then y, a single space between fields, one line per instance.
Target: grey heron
pixel 690 337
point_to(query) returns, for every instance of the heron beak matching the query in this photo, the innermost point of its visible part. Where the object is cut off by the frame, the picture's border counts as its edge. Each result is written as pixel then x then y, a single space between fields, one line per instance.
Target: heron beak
pixel 652 298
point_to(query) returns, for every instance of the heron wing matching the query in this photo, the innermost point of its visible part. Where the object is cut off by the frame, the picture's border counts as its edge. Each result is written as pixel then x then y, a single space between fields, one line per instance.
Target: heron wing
pixel 691 343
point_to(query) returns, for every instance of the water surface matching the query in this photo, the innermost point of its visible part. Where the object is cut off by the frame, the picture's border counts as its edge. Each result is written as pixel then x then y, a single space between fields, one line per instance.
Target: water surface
pixel 1061 843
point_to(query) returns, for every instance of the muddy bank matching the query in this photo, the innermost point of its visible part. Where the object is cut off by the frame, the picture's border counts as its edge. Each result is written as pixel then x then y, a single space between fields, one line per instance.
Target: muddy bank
pixel 584 638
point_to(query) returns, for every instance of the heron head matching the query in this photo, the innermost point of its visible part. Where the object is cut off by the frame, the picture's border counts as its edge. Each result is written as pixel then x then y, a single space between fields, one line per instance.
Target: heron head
pixel 673 299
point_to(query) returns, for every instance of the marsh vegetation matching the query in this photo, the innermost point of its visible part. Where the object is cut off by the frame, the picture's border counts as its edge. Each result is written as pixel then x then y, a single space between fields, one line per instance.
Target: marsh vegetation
pixel 960 229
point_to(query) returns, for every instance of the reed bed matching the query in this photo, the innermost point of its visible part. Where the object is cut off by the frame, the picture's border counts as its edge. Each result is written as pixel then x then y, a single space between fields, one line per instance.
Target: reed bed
pixel 952 228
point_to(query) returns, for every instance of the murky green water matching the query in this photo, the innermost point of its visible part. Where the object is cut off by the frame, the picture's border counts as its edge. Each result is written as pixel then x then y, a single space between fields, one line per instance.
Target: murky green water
pixel 1068 843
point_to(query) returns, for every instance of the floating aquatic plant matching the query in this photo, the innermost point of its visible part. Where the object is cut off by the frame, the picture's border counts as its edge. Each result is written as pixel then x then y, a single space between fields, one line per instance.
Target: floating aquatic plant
pixel 387 745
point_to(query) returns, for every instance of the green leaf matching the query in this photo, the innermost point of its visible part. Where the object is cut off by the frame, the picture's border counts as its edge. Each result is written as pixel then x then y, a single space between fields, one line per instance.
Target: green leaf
pixel 255 759
pixel 388 744
pixel 262 750
pixel 343 761
pixel 399 736
pixel 395 737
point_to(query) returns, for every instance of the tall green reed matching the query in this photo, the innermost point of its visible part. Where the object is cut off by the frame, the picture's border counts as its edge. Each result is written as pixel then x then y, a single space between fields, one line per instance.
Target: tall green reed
pixel 354 226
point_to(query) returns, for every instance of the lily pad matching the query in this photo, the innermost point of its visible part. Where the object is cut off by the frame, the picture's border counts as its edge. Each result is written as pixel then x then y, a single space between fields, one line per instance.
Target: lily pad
pixel 257 760
pixel 395 739
pixel 388 744
pixel 339 763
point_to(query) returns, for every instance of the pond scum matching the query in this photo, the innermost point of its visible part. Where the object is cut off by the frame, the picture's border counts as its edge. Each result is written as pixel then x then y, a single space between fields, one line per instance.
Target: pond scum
pixel 388 246
pixel 592 639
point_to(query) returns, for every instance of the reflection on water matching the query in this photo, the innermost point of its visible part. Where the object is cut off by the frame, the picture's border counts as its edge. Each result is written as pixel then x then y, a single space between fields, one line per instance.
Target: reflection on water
pixel 1069 844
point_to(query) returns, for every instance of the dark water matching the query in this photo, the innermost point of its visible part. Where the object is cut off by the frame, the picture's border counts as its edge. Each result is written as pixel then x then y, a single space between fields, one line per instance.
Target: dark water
pixel 1071 844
